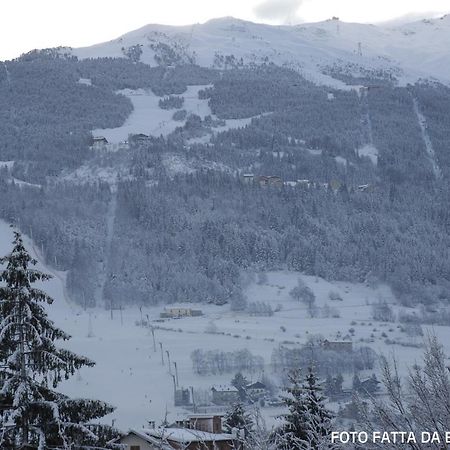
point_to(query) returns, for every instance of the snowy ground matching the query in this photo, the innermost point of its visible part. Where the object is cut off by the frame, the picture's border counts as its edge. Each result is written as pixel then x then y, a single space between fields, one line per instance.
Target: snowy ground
pixel 129 371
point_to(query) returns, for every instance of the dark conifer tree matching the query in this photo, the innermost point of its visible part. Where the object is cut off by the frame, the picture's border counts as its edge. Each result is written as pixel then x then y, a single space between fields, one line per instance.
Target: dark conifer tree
pixel 307 424
pixel 293 432
pixel 316 414
pixel 31 366
pixel 238 418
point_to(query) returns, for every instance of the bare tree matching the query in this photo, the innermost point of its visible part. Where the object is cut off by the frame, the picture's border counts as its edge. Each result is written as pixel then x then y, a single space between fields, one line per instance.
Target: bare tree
pixel 421 404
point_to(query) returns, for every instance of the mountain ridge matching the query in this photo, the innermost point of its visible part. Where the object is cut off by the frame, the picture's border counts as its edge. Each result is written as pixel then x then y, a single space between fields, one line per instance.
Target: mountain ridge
pixel 412 51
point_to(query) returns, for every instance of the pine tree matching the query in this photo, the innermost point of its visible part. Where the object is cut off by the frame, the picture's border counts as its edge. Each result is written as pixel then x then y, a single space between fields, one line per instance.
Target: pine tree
pixel 293 431
pixel 316 414
pixel 238 418
pixel 308 421
pixel 31 365
pixel 240 382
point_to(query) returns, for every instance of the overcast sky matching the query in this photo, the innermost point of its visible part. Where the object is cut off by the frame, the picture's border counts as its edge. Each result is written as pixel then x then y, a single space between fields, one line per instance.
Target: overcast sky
pixel 28 24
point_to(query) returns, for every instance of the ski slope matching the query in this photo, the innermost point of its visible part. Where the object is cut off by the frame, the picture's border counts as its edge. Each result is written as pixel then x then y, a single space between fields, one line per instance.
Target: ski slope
pixel 148 118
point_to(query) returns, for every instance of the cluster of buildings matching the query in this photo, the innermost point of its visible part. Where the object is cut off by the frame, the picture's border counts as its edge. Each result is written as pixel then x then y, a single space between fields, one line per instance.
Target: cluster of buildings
pixel 228 394
pixel 262 180
pixel 101 143
pixel 224 395
pixel 276 181
pixel 175 313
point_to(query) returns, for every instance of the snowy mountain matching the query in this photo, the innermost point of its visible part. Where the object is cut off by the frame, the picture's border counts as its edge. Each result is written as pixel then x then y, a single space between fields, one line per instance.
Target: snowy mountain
pixel 408 52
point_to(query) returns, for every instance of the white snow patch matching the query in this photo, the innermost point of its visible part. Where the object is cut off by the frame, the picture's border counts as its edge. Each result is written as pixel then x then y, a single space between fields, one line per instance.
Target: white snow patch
pixel 89 173
pixel 370 151
pixel 341 160
pixel 85 81
pixel 8 164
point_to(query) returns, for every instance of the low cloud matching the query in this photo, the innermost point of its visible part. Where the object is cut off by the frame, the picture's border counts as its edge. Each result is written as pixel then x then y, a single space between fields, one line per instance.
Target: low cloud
pixel 278 10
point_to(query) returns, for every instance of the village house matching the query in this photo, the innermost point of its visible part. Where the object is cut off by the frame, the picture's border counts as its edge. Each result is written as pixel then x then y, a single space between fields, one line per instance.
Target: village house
pixel 141 440
pixel 206 422
pixel 256 390
pixel 197 432
pixel 170 313
pixel 224 395
pixel 369 385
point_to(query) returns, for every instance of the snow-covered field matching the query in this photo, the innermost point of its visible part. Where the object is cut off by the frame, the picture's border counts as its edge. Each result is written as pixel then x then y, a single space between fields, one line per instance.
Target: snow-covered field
pixel 129 372
pixel 148 118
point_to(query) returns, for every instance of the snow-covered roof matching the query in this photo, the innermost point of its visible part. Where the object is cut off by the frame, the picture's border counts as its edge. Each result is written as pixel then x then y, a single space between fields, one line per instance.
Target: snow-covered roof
pixel 204 416
pixel 224 388
pixel 187 435
pixel 143 434
pixel 256 385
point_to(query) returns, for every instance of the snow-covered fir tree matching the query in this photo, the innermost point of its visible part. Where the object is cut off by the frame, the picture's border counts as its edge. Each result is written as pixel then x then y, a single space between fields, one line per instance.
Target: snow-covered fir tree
pixel 317 416
pixel 307 424
pixel 293 431
pixel 238 418
pixel 31 366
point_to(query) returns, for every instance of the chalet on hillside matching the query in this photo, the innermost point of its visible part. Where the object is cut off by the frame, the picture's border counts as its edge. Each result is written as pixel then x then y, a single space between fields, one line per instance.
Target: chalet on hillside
pixel 271 181
pixel 99 142
pixel 139 138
